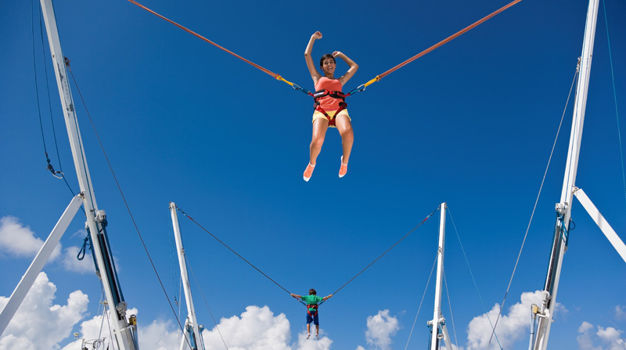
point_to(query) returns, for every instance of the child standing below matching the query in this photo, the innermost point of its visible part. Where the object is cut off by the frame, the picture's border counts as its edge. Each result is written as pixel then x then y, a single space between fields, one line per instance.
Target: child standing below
pixel 330 105
pixel 312 303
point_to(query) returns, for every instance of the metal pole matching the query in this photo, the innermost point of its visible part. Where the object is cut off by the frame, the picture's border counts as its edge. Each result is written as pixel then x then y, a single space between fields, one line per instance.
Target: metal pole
pixel 191 313
pixel 564 207
pixel 599 219
pixel 124 333
pixel 38 263
pixel 437 310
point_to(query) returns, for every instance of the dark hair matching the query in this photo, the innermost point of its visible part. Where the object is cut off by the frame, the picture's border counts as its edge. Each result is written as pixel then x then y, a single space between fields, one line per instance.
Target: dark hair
pixel 325 57
pixel 312 291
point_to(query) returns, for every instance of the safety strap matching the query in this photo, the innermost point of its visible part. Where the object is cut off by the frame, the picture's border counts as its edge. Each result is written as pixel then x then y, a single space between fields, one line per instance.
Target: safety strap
pixel 334 94
pixel 311 306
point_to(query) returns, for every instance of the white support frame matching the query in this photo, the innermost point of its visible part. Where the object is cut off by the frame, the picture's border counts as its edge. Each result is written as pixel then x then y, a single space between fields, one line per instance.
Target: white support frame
pixel 604 226
pixel 438 322
pixel 124 330
pixel 198 342
pixel 39 262
pixel 564 207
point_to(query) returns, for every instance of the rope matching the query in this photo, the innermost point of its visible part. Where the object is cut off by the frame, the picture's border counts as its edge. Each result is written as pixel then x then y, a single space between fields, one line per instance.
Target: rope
pixel 420 304
pixel 281 286
pixel 235 252
pixel 445 282
pixel 383 254
pixel 208 309
pixel 174 273
pixel 119 188
pixel 56 173
pixel 433 47
pixel 83 250
pixel 43 138
pixel 107 311
pixel 532 214
pixel 482 301
pixel 359 88
pixel 102 297
pixel 259 67
pixel 45 67
pixel 619 134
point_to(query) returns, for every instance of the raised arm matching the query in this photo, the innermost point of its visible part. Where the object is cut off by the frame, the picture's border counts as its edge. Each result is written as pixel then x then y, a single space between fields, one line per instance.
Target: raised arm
pixel 296 296
pixel 328 296
pixel 315 75
pixel 353 67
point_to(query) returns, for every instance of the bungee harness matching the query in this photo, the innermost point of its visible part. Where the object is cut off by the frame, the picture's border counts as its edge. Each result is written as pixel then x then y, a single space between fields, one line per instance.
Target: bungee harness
pixel 334 94
pixel 314 307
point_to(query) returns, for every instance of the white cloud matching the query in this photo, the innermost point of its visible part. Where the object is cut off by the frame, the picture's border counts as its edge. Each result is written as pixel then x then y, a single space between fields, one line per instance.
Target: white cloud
pixel 607 338
pixel 71 263
pixel 90 330
pixel 313 344
pixel 585 336
pixel 256 328
pixel 510 327
pixel 584 327
pixel 96 329
pixel 19 240
pixel 380 328
pixel 158 337
pixel 620 313
pixel 612 338
pixel 38 324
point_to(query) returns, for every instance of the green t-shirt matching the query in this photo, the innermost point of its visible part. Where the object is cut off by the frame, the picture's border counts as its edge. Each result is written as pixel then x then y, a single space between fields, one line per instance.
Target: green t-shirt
pixel 311 299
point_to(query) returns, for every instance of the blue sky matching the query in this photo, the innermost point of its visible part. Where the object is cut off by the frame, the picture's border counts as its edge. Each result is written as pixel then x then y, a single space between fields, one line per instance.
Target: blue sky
pixel 471 124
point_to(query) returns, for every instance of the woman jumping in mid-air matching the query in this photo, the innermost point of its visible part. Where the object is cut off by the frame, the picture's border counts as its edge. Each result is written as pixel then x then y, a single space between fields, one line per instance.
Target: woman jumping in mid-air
pixel 330 107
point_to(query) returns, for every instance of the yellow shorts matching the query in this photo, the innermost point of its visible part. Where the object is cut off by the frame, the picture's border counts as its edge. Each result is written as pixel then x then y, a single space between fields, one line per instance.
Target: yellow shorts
pixel 318 115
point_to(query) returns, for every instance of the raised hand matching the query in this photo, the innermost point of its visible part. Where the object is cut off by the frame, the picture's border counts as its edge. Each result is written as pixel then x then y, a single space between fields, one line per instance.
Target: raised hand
pixel 317 35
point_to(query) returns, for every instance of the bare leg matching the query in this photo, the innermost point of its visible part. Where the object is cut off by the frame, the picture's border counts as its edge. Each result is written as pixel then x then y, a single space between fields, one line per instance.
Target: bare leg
pixel 317 140
pixel 308 328
pixel 317 330
pixel 347 136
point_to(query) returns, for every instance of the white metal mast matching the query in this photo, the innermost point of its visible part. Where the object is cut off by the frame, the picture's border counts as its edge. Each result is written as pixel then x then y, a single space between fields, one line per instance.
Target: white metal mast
pixel 124 330
pixel 191 334
pixel 564 208
pixel 438 323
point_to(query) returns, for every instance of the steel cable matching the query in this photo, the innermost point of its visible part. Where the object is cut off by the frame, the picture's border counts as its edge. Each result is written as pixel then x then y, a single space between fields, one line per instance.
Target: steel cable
pixel 130 213
pixel 545 173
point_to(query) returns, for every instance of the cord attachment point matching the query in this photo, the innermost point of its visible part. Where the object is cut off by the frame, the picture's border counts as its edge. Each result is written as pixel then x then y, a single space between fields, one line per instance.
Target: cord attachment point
pixel 534 308
pixel 101 217
pixel 560 208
